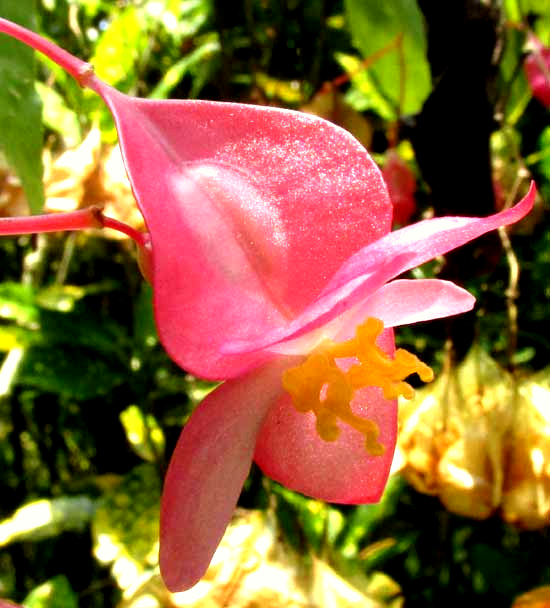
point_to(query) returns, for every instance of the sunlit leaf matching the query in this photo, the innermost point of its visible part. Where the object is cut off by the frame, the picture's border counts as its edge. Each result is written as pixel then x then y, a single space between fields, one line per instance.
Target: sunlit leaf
pixel 143 433
pixel 12 336
pixel 55 593
pixel 60 297
pixel 47 518
pixel 364 95
pixel 516 90
pixel 374 25
pixel 17 302
pixel 57 116
pixel 203 54
pixel 119 48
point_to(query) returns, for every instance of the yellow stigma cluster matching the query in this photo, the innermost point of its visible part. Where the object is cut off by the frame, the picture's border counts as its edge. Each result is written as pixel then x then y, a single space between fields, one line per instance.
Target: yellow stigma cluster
pixel 321 386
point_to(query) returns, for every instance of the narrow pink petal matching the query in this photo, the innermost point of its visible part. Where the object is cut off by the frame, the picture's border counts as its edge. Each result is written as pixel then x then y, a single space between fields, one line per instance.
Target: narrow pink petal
pixel 403 301
pixel 426 240
pixel 399 302
pixel 207 470
pixel 366 271
pixel 249 208
pixel 290 451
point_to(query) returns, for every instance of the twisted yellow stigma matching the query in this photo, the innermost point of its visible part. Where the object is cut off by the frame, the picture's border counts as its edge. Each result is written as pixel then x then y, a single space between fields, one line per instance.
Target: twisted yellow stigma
pixel 321 386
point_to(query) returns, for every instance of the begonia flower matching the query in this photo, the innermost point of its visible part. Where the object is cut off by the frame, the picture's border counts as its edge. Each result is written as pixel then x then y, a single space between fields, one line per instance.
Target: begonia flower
pixel 537 70
pixel 273 268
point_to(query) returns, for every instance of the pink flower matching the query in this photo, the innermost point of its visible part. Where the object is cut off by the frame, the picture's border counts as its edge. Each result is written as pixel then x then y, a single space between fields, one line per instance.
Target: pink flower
pixel 537 71
pixel 273 268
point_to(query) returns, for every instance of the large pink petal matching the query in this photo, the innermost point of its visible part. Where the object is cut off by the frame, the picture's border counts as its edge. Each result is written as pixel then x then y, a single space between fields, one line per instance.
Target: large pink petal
pixel 366 271
pixel 250 210
pixel 207 470
pixel 290 451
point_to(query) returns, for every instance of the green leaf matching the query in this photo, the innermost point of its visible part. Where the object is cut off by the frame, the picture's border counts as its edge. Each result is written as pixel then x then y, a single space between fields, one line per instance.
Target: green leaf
pixel 20 108
pixel 201 56
pixel 17 303
pixel 77 373
pixel 58 117
pixel 12 336
pixel 544 147
pixel 517 91
pixel 120 47
pixel 363 94
pixel 374 26
pixel 145 331
pixel 55 593
pixel 86 329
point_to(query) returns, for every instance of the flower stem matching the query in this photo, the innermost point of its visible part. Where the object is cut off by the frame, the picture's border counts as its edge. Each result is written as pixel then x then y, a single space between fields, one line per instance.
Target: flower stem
pixel 141 238
pixel 78 69
pixel 56 222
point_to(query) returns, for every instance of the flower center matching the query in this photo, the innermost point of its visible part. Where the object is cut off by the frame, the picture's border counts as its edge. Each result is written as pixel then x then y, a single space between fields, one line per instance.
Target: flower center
pixel 320 385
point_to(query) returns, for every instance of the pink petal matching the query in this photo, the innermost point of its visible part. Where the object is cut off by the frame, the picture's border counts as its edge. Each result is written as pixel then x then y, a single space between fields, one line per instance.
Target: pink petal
pixel 290 451
pixel 207 470
pixel 403 301
pixel 250 209
pixel 366 271
pixel 400 302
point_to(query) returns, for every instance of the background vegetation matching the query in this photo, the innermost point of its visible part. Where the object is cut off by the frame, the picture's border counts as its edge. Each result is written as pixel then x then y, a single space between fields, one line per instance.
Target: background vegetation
pixel 91 406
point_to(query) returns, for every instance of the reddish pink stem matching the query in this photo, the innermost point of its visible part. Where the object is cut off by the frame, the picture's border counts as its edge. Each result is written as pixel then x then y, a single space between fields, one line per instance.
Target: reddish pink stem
pixel 56 222
pixel 78 69
pixel 141 238
pixel 91 217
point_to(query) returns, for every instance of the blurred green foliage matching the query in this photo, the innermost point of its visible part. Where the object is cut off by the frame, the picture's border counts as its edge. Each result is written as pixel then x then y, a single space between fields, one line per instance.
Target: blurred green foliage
pixel 87 393
pixel 20 117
